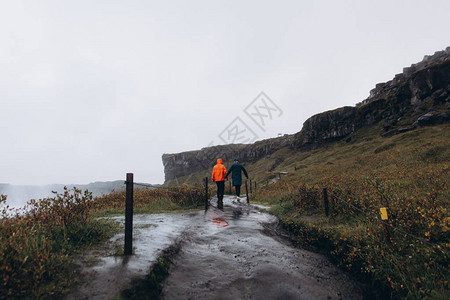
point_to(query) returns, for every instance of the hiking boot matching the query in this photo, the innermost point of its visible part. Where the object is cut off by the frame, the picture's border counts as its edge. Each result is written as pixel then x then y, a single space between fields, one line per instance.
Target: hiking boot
pixel 238 199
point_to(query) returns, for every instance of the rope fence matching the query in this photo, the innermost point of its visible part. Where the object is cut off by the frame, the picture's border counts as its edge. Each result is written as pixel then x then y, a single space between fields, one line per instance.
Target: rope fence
pixel 313 195
pixel 369 215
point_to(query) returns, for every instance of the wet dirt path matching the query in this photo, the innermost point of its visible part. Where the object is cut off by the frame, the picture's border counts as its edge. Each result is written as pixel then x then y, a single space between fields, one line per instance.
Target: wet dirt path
pixel 227 255
pixel 224 254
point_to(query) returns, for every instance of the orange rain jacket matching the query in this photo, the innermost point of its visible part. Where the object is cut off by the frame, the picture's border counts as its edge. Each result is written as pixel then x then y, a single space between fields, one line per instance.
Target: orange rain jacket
pixel 219 171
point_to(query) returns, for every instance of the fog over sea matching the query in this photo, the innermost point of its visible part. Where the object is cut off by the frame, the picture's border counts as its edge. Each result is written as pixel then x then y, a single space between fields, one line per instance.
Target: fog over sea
pixel 19 195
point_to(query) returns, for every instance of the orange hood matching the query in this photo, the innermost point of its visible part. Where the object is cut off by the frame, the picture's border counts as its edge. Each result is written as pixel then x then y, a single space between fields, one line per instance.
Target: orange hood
pixel 219 171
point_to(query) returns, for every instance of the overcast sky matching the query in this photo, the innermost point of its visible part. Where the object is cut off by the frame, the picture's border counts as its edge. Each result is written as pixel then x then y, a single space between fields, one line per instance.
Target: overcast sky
pixel 91 90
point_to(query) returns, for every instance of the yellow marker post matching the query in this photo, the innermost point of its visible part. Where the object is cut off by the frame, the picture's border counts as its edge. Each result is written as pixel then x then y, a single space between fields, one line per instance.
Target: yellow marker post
pixel 384 215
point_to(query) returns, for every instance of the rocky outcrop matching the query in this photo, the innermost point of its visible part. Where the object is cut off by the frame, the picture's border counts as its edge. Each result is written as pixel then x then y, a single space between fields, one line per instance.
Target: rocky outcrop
pixel 425 80
pixel 325 127
pixel 419 96
pixel 185 163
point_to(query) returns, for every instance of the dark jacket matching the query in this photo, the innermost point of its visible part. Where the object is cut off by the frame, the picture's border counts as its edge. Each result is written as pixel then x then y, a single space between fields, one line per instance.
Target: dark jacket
pixel 236 169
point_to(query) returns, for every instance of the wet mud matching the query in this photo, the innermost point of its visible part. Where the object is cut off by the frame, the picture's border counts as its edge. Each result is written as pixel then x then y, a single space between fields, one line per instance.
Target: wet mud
pixel 232 253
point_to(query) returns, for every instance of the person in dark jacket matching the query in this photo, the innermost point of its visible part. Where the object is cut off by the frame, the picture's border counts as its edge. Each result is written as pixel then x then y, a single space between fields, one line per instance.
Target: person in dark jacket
pixel 236 169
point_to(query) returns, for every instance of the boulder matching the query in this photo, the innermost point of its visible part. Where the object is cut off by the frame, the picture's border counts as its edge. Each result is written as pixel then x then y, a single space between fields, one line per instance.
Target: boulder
pixel 432 118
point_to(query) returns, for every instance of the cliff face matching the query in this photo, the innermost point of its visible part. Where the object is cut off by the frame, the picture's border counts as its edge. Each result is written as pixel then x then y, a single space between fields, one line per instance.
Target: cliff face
pixel 417 97
pixel 185 163
pixel 325 127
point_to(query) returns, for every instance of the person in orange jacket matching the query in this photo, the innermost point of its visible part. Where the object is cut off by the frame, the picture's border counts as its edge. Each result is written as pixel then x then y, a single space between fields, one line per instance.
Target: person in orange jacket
pixel 218 176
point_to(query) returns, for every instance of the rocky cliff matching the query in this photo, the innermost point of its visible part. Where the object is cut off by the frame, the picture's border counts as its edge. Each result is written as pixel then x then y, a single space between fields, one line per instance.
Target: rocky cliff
pixel 185 163
pixel 419 96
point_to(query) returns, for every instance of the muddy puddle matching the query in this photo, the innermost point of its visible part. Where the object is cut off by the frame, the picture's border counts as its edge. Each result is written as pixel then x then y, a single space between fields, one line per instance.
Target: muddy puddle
pixel 225 254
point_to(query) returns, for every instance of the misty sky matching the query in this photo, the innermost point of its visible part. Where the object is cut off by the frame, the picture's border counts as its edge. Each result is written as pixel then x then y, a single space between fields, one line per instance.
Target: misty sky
pixel 91 90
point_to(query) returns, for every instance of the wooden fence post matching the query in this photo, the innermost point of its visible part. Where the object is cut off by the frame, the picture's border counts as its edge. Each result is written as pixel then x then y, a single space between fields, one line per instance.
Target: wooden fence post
pixel 250 186
pixel 246 192
pixel 325 201
pixel 128 248
pixel 384 220
pixel 255 186
pixel 206 193
pixel 387 232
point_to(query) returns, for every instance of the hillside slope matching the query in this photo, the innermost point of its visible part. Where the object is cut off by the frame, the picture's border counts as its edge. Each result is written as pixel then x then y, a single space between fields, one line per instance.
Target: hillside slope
pixel 416 98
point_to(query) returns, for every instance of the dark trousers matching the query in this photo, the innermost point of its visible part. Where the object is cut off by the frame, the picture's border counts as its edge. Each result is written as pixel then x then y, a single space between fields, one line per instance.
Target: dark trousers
pixel 220 190
pixel 238 190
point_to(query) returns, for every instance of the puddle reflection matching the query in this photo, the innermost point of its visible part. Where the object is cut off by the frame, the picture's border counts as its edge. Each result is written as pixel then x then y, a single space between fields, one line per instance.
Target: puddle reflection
pixel 220 222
